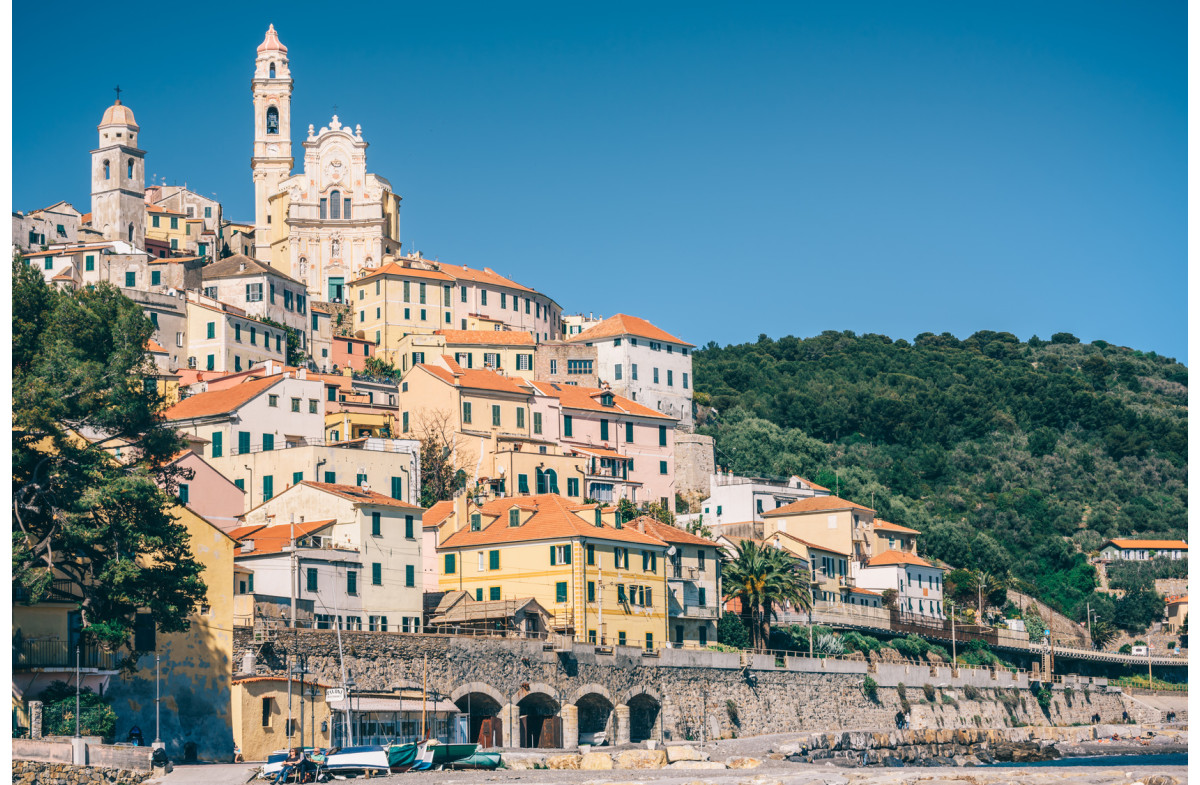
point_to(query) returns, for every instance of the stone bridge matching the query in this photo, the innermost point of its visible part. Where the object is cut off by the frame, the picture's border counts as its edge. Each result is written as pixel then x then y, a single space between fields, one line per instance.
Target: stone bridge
pixel 543 694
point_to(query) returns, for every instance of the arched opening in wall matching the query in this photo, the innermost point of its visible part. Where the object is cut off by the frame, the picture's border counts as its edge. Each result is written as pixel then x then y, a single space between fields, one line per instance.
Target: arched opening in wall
pixel 595 719
pixel 272 120
pixel 131 233
pixel 106 172
pixel 271 71
pixel 483 712
pixel 540 724
pixel 335 204
pixel 129 170
pixel 643 718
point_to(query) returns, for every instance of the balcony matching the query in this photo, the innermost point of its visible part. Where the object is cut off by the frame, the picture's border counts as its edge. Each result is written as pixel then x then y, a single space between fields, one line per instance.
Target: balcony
pixel 32 655
pixel 681 573
pixel 698 612
pixel 61 590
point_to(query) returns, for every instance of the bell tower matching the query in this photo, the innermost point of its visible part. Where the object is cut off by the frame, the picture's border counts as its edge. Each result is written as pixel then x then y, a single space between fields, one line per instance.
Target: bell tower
pixel 119 178
pixel 272 160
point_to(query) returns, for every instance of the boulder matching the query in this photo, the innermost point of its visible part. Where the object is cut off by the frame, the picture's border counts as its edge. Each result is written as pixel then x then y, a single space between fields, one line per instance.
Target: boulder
pixel 594 761
pixel 641 759
pixel 696 764
pixel 522 761
pixel 684 752
pixel 743 763
pixel 891 761
pixel 568 761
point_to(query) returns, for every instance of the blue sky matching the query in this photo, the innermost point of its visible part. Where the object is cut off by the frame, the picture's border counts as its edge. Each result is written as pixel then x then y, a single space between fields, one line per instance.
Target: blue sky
pixel 723 169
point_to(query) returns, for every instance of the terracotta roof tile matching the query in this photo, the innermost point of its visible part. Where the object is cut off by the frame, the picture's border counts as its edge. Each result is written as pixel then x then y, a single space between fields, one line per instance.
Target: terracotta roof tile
pixel 815 504
pixel 623 324
pixel 811 545
pixel 473 379
pixel 357 494
pixel 487 337
pixel 208 404
pixel 436 514
pixel 486 275
pixel 1155 544
pixel 587 399
pixel 553 519
pixel 667 532
pixel 888 526
pixel 396 268
pixel 898 557
pixel 273 539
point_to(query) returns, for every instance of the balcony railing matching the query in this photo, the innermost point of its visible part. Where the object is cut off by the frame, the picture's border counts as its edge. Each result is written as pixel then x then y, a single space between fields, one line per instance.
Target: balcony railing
pixel 61 590
pixel 59 654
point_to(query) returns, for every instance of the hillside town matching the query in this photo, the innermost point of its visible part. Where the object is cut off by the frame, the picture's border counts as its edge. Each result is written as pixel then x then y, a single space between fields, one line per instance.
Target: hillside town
pixel 387 450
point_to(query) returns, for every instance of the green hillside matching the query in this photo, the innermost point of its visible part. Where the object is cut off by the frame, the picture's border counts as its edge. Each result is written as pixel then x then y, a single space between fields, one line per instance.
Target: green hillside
pixel 1008 456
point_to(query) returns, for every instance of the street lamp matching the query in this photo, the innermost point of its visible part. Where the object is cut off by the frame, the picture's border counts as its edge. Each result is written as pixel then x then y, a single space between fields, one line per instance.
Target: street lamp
pixel 350 685
pixel 300 671
pixel 953 642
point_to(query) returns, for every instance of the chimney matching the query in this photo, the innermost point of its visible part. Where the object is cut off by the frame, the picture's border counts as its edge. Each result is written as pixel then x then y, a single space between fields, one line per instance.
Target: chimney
pixel 248 661
pixel 241 267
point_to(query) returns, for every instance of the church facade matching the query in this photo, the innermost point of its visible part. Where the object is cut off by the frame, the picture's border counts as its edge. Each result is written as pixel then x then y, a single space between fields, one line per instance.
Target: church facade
pixel 327 223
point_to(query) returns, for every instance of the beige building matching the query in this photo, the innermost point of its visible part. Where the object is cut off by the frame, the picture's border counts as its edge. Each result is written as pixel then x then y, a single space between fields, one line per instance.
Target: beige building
pixel 1177 611
pixel 260 715
pixel 225 338
pixel 563 362
pixel 37 229
pixel 828 521
pixel 505 351
pixel 396 300
pixel 206 234
pixel 385 532
pixel 693 583
pixel 261 291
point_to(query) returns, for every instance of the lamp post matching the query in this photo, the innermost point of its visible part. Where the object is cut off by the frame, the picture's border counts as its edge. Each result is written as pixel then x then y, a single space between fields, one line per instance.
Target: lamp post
pixel 953 641
pixel 350 685
pixel 157 701
pixel 300 671
pixel 312 712
pixel 77 647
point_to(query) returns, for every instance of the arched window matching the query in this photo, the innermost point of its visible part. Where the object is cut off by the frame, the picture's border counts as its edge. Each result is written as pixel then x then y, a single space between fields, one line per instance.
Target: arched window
pixel 272 120
pixel 130 169
pixel 541 481
pixel 131 233
pixel 272 71
pixel 335 204
pixel 552 480
pixel 106 174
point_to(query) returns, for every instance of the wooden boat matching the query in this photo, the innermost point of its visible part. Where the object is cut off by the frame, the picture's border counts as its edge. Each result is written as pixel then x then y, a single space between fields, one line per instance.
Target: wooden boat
pixel 401 757
pixel 275 761
pixel 478 760
pixel 424 760
pixel 448 753
pixel 369 758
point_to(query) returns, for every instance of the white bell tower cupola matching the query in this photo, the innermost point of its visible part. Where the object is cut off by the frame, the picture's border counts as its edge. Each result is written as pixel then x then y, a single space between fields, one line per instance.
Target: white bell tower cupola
pixel 119 178
pixel 272 160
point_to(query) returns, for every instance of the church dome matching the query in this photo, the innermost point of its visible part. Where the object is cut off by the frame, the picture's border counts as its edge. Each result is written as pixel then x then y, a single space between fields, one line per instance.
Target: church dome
pixel 118 114
pixel 271 43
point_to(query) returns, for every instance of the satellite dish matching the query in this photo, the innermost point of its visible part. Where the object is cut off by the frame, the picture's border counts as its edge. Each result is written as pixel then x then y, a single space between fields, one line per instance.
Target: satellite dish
pixel 671 551
pixel 501 470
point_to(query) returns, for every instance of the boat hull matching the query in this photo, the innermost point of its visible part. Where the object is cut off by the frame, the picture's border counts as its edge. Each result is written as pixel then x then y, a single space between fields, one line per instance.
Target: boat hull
pixel 480 760
pixel 373 758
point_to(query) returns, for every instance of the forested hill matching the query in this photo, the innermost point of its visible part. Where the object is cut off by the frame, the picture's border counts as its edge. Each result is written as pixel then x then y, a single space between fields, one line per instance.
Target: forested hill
pixel 1006 455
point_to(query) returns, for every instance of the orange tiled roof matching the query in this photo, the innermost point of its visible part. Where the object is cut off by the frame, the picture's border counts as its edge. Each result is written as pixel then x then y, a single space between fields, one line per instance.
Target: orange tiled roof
pixel 813 485
pixel 857 590
pixel 554 518
pixel 357 494
pixel 474 379
pixel 439 512
pixel 898 557
pixel 395 268
pixel 586 398
pixel 273 539
pixel 623 324
pixel 603 452
pixel 811 545
pixel 207 404
pixel 888 526
pixel 485 337
pixel 816 504
pixel 1160 545
pixel 1177 600
pixel 486 275
pixel 667 532
pixel 154 347
pixel 70 250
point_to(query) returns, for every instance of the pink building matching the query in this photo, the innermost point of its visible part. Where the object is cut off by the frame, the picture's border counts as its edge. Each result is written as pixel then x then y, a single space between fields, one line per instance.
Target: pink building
pixel 351 352
pixel 210 494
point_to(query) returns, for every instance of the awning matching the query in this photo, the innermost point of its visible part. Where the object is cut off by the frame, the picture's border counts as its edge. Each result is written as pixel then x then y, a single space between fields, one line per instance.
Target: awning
pixel 385 704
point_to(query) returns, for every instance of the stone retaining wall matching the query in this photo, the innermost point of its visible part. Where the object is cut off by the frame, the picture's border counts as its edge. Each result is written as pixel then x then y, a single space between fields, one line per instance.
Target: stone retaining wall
pixel 38 773
pixel 675 694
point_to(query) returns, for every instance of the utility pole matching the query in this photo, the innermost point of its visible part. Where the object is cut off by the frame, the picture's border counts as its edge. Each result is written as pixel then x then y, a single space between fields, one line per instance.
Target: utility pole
pixel 1089 617
pixel 953 641
pixel 157 701
pixel 295 572
pixel 77 647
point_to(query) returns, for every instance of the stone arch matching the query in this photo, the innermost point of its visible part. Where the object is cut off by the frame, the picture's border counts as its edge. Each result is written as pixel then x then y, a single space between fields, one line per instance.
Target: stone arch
pixel 479 687
pixel 640 689
pixel 537 710
pixel 535 687
pixel 599 689
pixel 483 705
pixel 596 715
pixel 645 712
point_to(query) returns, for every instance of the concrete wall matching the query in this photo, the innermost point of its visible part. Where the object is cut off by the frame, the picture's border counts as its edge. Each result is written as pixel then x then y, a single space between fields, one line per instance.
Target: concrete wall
pixel 678 693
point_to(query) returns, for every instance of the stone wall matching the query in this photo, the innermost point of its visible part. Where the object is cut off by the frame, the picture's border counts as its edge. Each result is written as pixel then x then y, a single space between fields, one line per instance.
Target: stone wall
pixel 694 465
pixel 36 773
pixel 674 694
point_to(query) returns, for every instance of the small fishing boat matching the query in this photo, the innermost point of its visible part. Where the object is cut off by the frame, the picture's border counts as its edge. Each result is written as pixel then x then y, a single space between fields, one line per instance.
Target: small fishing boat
pixel 478 760
pixel 401 757
pixel 369 758
pixel 444 754
pixel 424 761
pixel 275 761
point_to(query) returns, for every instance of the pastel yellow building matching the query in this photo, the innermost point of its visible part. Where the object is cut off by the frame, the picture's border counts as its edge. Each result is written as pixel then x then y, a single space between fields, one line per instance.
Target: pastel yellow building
pixel 837 524
pixel 506 351
pixel 392 301
pixel 173 228
pixel 602 581
pixel 264 705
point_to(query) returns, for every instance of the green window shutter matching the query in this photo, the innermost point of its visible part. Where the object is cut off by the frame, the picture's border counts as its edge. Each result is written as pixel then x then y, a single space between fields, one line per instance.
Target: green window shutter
pixel 130 278
pixel 376 524
pixel 572 486
pixel 537 422
pixel 331 477
pixel 408 526
pixel 212 362
pixel 553 556
pixel 312 579
pixel 359 479
pixel 494 593
pixel 522 483
pixel 560 591
pixel 268 487
pixel 217 444
pixel 377 573
pixel 155 277
pixel 410 577
pixel 629 432
pixel 662 467
pixel 89 263
pixel 493 560
pixel 466 412
pixel 398 488
pixel 251 576
pixel 567 425
pixel 212 330
pixel 591 554
pixel 520 417
pixel 351 582
pixel 449 566
pixel 514 517
pixel 241 484
pixel 479 595
pixel 476 521
pixel 268 442
pixel 567 554
pixel 183 493
pixel 496 415
pixel 591 591
pixel 297 478
pixel 662 436
pixel 604 430
pixel 243 442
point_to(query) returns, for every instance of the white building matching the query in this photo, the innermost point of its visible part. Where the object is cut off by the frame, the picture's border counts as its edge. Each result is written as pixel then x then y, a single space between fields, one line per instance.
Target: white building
pixel 918 584
pixel 58 223
pixel 385 532
pixel 644 363
pixel 734 499
pixel 261 291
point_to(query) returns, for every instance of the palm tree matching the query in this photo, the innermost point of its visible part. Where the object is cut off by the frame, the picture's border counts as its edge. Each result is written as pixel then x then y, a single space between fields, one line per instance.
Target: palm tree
pixel 762 578
pixel 1102 634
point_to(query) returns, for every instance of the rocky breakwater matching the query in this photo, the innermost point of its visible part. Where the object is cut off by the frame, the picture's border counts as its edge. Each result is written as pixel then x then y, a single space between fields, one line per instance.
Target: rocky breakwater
pixel 968 746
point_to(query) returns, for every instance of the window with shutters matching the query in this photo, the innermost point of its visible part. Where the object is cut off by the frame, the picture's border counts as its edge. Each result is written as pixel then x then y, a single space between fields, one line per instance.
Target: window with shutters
pixel 408 526
pixel 572 486
pixel 520 416
pixel 662 467
pixel 476 521
pixel 604 430
pixel 495 415
pixel 351 582
pixel 522 483
pixel 410 575
pixel 254 292
pixel 376 525
pixel 268 487
pixel 524 362
pixel 662 436
pixel 617 371
pixel 560 554
pixel 514 517
pixel 560 591
pixel 537 422
pixel 398 488
pixel 466 412
pixel 493 560
pixel 268 442
pixel 311 578
pixel 449 566
pixel 218 444
pixel 568 431
pixel 377 574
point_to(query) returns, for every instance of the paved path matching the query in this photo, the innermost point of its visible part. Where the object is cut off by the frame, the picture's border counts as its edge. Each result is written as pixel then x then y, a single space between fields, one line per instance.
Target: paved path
pixel 207 774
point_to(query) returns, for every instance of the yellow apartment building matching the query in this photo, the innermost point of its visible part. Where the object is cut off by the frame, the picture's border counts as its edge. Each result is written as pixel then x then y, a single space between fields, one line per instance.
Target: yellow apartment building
pixel 828 521
pixel 507 351
pixel 393 301
pixel 602 581
pixel 171 227
pixel 894 537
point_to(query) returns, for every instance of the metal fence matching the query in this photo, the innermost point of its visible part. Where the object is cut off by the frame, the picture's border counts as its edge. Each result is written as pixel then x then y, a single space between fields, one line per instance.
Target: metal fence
pixel 60 654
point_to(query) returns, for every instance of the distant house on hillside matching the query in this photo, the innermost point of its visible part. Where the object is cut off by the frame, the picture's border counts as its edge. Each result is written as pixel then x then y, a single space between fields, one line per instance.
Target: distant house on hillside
pixel 1142 550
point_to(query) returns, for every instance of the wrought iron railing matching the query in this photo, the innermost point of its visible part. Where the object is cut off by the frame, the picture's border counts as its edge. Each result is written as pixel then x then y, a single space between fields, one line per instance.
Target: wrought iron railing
pixel 60 654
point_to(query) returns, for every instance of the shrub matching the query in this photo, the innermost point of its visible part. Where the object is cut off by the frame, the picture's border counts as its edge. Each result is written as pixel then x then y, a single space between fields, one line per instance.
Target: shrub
pixel 1139 643
pixel 871 689
pixel 902 693
pixel 732 709
pixel 971 692
pixel 731 631
pixel 947 700
pixel 930 692
pixel 96 717
pixel 1125 649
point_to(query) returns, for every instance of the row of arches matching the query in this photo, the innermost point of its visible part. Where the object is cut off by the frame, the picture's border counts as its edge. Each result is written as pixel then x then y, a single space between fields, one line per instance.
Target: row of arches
pixel 538 717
